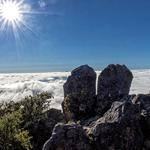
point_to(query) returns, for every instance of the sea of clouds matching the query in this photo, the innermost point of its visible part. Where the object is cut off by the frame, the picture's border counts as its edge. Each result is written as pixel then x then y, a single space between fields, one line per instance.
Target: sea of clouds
pixel 16 86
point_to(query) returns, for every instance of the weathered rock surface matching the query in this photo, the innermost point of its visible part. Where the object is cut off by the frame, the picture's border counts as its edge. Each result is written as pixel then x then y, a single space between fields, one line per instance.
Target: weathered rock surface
pixel 114 120
pixel 144 103
pixel 68 137
pixel 41 129
pixel 118 129
pixel 113 83
pixel 79 93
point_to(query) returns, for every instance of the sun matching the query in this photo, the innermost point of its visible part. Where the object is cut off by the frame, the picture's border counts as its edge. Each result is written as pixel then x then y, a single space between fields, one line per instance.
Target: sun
pixel 18 17
pixel 10 11
pixel 14 16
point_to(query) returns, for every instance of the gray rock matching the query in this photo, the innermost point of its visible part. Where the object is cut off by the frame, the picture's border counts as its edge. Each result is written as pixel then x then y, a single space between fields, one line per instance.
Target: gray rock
pixel 144 102
pixel 147 144
pixel 68 137
pixel 118 129
pixel 79 93
pixel 113 83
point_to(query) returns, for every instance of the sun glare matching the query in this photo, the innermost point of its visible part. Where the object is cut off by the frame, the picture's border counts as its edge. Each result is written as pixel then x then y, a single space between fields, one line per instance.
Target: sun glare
pixel 10 11
pixel 14 15
pixel 17 17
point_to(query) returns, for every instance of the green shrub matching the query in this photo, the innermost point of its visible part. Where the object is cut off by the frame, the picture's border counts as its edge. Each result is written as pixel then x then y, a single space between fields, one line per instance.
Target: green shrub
pixel 12 136
pixel 15 117
pixel 34 106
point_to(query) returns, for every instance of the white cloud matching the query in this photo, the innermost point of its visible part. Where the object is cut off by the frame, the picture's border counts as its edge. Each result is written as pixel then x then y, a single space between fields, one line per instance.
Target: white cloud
pixel 17 86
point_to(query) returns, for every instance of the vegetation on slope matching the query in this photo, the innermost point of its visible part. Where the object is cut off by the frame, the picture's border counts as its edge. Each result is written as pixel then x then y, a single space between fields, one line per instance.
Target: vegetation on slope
pixel 15 118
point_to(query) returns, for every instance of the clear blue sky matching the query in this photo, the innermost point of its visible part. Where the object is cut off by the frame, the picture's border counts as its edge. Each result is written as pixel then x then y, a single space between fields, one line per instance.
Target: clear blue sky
pixel 73 32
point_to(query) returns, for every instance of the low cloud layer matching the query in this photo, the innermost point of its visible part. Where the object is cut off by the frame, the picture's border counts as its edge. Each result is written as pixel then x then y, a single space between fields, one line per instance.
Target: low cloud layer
pixel 17 86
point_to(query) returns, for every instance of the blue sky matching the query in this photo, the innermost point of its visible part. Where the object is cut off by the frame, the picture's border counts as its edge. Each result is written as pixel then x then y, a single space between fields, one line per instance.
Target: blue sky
pixel 68 33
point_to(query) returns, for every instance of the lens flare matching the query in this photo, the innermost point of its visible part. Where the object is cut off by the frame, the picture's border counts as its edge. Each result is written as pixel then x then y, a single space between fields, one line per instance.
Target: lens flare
pixel 10 11
pixel 13 15
pixel 18 17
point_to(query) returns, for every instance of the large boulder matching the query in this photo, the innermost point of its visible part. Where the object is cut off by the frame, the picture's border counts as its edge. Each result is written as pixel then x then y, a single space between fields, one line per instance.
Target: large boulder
pixel 79 93
pixel 113 83
pixel 68 137
pixel 118 129
pixel 41 129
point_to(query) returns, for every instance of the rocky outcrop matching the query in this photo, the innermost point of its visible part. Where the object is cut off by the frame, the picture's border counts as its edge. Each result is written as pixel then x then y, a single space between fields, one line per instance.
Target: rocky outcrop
pixel 79 93
pixel 113 83
pixel 114 120
pixel 68 137
pixel 118 129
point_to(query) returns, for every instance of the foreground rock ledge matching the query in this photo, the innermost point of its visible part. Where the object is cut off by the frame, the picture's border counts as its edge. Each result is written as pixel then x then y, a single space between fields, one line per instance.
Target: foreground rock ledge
pixel 110 120
pixel 68 137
